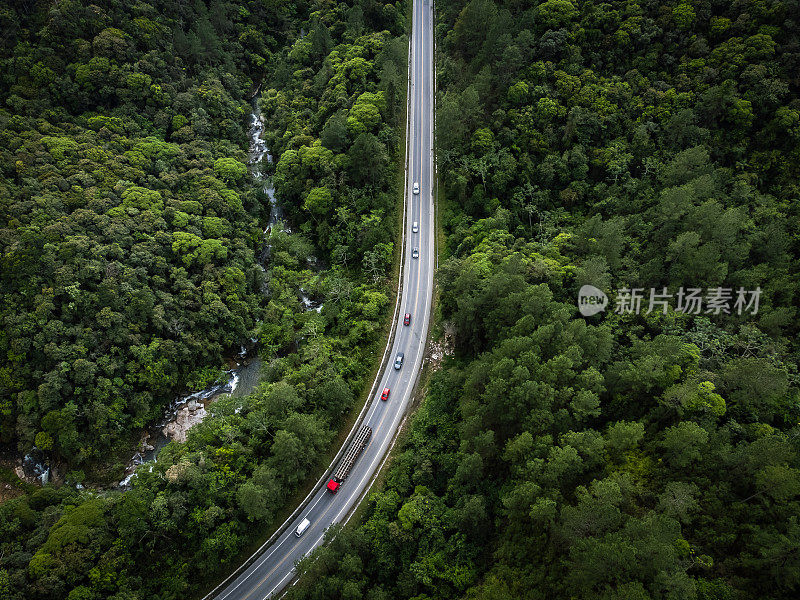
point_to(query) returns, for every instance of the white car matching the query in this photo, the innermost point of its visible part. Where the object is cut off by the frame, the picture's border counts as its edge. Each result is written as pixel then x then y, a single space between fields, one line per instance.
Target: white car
pixel 415 227
pixel 415 253
pixel 301 529
pixel 416 188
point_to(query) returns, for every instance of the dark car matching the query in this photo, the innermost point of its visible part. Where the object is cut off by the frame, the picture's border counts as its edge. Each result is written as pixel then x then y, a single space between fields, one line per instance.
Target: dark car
pixel 398 361
pixel 385 394
pixel 407 319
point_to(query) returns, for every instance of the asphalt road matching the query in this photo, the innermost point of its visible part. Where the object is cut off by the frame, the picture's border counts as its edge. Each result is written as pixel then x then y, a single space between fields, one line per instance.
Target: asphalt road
pixel 268 575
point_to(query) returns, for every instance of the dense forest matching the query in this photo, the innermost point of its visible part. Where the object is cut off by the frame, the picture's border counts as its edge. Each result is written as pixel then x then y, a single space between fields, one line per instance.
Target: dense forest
pixel 129 226
pixel 616 144
pixel 135 261
pixel 617 456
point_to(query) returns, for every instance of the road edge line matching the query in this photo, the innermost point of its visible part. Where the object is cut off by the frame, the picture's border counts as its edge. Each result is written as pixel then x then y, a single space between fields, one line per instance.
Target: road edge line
pixel 389 343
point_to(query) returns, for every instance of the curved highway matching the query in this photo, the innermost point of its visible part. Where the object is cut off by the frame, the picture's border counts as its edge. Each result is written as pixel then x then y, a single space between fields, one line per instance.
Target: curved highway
pixel 273 569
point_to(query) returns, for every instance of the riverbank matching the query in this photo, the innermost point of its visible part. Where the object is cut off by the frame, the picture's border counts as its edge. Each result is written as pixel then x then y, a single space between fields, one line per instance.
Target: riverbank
pixel 243 378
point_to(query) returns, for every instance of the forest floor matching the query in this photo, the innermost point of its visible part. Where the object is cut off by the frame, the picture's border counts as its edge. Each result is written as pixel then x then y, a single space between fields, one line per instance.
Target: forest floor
pixel 11 486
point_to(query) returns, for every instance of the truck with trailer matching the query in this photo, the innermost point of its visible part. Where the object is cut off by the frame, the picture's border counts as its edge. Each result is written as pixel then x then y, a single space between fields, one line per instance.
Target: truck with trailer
pixel 348 460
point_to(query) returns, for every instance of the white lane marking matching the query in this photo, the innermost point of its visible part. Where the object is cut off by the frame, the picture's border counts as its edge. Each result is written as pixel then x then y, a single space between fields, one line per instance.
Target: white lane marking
pixel 418 358
pixel 321 518
pixel 398 414
pixel 280 583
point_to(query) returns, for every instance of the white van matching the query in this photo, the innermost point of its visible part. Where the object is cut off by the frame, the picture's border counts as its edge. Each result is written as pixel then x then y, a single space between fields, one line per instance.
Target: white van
pixel 415 227
pixel 302 527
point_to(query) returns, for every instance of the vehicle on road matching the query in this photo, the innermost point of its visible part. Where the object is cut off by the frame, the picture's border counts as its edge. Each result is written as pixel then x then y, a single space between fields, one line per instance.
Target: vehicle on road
pixel 269 572
pixel 398 361
pixel 415 253
pixel 407 319
pixel 302 527
pixel 350 456
pixel 385 394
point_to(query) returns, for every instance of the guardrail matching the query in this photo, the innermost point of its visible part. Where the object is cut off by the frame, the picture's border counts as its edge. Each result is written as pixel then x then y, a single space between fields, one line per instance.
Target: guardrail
pixel 389 343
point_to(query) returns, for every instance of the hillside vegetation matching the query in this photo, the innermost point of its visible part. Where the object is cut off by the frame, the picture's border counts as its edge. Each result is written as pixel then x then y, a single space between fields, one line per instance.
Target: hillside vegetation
pixel 134 226
pixel 617 456
pixel 128 220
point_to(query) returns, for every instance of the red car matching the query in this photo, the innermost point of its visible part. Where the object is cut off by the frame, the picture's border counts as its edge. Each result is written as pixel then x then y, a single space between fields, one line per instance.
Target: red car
pixel 407 319
pixel 385 394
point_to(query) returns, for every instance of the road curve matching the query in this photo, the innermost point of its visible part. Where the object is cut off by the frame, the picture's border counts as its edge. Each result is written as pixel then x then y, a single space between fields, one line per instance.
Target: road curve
pixel 273 569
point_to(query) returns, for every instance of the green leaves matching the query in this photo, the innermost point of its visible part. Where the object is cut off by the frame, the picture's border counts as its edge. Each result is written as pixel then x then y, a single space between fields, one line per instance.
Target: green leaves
pixel 260 496
pixel 555 13
pixel 683 15
pixel 365 115
pixel 142 199
pixel 74 539
pixel 94 261
pixel 230 169
pixel 60 147
pixel 780 482
pixel 195 250
pixel 133 271
pixel 318 201
pixel 684 444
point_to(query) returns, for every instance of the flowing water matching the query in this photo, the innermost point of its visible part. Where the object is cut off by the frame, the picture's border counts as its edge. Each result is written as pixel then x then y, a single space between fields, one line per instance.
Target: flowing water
pixel 187 411
pixel 34 467
pixel 258 154
pixel 180 416
pixel 308 303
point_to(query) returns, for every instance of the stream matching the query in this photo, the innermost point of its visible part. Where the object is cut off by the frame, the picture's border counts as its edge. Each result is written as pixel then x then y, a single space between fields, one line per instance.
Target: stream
pixel 258 152
pixel 186 411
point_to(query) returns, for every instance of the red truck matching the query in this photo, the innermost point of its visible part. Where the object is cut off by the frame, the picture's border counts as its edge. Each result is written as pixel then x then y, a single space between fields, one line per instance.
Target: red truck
pixel 349 459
